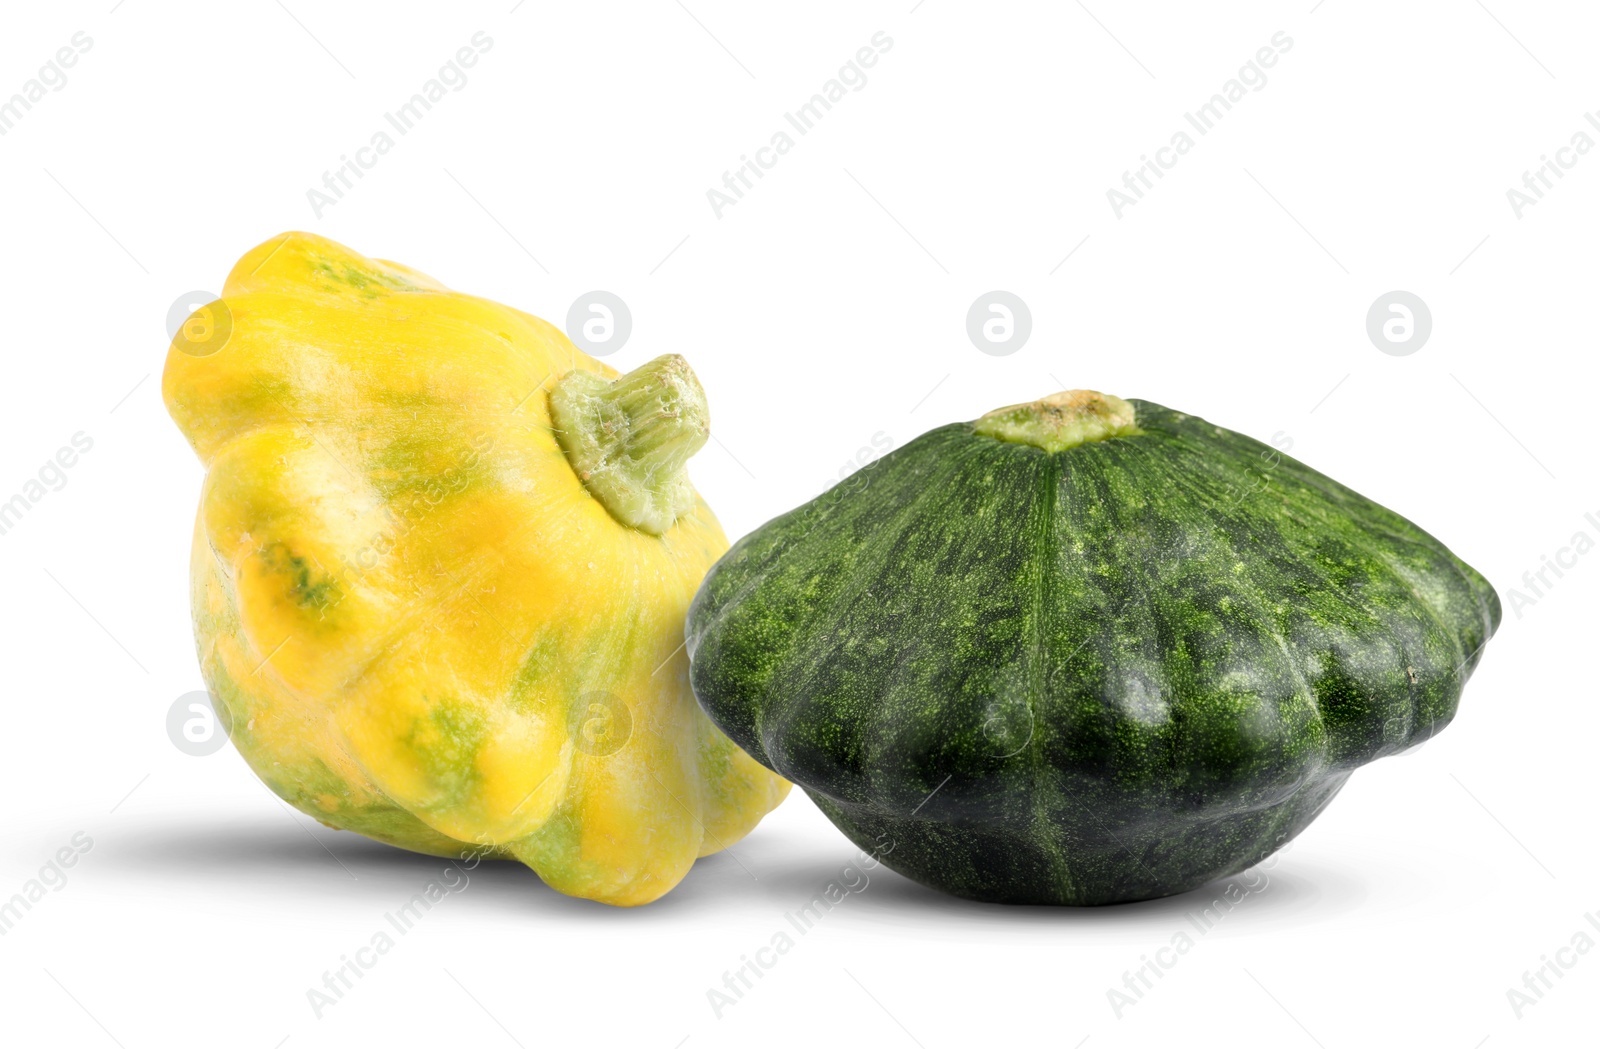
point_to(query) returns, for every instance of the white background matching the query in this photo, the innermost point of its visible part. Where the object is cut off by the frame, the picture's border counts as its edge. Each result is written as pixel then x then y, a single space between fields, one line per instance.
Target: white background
pixel 825 308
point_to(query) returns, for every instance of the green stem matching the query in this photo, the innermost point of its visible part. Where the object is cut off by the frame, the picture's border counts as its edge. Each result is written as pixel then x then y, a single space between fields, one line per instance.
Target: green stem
pixel 1062 420
pixel 629 439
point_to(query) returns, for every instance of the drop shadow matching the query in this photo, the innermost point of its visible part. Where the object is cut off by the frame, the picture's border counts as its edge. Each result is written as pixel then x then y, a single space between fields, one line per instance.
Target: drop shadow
pixel 283 858
pixel 280 858
pixel 1287 894
pixel 281 853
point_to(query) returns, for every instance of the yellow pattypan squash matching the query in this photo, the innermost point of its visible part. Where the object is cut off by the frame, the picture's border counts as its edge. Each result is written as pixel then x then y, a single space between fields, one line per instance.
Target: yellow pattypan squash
pixel 440 573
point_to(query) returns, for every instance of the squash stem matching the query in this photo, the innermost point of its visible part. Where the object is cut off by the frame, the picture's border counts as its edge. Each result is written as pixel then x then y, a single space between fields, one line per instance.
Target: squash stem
pixel 629 440
pixel 1062 420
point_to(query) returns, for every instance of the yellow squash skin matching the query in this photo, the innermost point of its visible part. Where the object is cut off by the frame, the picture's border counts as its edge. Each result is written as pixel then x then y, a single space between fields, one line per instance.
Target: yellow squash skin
pixel 416 620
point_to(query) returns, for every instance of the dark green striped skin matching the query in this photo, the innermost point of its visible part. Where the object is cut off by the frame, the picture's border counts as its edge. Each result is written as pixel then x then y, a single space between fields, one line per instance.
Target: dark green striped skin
pixel 1104 674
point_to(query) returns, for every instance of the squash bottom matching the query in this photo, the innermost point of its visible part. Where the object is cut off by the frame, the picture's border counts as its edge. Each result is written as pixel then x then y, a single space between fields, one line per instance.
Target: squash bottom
pixel 1080 862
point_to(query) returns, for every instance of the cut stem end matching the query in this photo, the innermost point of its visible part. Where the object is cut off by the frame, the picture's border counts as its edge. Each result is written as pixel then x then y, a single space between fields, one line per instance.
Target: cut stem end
pixel 1061 421
pixel 629 439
